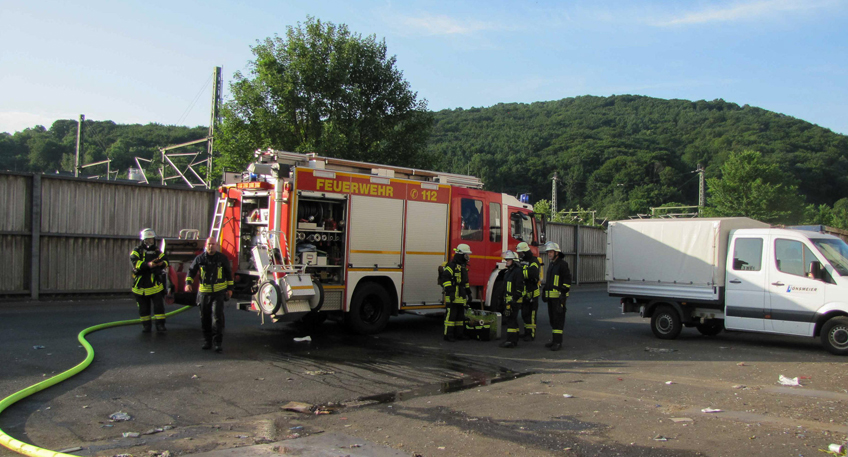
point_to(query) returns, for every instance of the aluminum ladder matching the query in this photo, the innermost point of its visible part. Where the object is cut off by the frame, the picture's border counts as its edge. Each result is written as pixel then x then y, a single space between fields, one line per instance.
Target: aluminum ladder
pixel 218 218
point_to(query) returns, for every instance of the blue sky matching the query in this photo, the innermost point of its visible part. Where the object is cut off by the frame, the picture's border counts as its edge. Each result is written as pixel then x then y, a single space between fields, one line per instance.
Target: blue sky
pixel 151 61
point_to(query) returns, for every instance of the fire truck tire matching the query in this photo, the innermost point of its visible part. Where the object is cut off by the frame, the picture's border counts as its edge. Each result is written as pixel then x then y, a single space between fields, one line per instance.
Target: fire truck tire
pixel 369 309
pixel 497 303
pixel 317 301
pixel 270 297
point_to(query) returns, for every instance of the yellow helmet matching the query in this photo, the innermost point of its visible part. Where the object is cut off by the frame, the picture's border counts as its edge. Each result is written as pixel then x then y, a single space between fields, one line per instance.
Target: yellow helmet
pixel 522 247
pixel 463 249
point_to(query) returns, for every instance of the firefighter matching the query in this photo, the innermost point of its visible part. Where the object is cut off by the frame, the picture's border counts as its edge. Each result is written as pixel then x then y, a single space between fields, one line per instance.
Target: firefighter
pixel 513 297
pixel 148 270
pixel 555 291
pixel 530 269
pixel 216 282
pixel 454 280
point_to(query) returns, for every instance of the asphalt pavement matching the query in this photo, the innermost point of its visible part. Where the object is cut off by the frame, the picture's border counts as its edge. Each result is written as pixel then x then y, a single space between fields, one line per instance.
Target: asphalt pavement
pixel 613 390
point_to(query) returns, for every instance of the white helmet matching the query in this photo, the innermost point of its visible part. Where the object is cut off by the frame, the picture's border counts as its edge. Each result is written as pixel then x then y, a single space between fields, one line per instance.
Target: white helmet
pixel 509 255
pixel 522 247
pixel 147 233
pixel 463 249
pixel 551 246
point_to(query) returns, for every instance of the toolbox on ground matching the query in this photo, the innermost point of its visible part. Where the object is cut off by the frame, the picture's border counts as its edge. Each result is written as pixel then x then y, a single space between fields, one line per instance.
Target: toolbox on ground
pixel 482 325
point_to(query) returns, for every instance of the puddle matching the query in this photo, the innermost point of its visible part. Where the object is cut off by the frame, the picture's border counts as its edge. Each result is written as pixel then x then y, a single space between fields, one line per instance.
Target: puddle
pixel 455 385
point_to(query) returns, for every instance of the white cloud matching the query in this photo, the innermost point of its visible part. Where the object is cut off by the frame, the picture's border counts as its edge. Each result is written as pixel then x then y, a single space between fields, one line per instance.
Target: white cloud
pixel 428 24
pixel 743 11
pixel 15 121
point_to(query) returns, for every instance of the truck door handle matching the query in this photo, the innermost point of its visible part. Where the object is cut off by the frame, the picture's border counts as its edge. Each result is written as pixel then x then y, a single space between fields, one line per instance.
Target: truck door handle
pixel 735 281
pixel 778 283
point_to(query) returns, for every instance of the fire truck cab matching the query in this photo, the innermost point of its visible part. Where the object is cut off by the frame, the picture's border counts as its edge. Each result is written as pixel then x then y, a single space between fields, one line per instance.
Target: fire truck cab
pixel 314 237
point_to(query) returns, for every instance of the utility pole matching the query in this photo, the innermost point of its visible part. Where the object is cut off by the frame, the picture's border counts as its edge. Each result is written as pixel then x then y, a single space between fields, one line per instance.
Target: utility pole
pixel 554 195
pixel 702 189
pixel 216 103
pixel 79 146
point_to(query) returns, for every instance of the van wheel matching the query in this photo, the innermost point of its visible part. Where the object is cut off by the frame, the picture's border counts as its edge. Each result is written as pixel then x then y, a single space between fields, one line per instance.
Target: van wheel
pixel 834 335
pixel 710 327
pixel 369 309
pixel 665 323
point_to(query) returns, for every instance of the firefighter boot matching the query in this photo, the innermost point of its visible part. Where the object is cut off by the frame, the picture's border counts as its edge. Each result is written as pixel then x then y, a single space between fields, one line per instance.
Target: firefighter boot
pixel 206 346
pixel 145 327
pixel 549 344
pixel 218 348
pixel 160 326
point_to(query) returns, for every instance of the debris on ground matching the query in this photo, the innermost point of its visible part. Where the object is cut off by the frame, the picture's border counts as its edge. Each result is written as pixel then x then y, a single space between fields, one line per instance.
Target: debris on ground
pixel 660 438
pixel 131 434
pixel 678 420
pixel 741 364
pixel 668 383
pixel 38 347
pixel 153 431
pixel 740 386
pixel 120 416
pixel 792 382
pixel 70 449
pixel 711 410
pixel 568 395
pixel 318 372
pixel 306 408
pixel 660 350
pixel 305 339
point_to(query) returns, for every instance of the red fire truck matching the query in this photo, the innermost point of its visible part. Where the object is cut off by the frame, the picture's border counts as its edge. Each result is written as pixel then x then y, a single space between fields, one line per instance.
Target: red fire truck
pixel 315 236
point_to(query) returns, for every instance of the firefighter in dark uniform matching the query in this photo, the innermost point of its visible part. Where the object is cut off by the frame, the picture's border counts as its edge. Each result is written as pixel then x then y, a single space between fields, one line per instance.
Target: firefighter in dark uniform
pixel 530 268
pixel 454 280
pixel 513 297
pixel 216 283
pixel 555 291
pixel 148 270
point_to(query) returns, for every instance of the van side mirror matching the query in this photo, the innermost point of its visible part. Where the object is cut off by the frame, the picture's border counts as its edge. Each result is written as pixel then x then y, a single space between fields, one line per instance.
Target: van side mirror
pixel 815 269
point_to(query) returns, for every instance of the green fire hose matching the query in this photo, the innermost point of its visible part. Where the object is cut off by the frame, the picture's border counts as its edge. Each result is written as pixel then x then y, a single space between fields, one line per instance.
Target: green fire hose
pixel 27 449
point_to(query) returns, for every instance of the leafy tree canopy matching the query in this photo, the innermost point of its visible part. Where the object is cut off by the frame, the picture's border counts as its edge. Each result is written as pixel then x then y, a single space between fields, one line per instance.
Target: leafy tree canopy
pixel 324 89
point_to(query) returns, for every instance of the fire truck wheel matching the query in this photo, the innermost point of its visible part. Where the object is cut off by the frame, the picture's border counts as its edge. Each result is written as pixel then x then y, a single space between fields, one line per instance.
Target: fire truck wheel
pixel 497 303
pixel 369 309
pixel 317 300
pixel 270 297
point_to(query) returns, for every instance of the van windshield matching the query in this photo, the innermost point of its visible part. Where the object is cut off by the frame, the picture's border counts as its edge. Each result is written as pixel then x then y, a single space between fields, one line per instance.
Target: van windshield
pixel 836 252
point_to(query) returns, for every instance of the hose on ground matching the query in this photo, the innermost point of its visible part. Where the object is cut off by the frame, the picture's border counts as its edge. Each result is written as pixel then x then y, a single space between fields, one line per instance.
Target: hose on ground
pixel 33 451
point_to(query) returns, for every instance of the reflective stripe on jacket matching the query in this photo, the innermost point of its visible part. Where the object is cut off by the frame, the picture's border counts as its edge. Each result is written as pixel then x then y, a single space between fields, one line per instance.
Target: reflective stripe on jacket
pixel 531 277
pixel 215 272
pixel 146 280
pixel 454 280
pixel 557 279
pixel 514 284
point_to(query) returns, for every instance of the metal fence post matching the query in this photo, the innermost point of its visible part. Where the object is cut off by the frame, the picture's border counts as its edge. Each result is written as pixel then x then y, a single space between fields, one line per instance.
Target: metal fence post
pixel 35 237
pixel 577 254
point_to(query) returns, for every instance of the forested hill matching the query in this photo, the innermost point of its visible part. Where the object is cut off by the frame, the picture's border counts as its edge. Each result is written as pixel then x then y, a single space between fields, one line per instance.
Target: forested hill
pixel 623 154
pixel 45 150
pixel 619 155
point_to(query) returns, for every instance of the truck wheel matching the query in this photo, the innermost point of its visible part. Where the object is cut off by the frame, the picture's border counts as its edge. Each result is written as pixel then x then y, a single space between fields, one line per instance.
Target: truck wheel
pixel 834 335
pixel 369 309
pixel 497 302
pixel 710 327
pixel 270 297
pixel 665 323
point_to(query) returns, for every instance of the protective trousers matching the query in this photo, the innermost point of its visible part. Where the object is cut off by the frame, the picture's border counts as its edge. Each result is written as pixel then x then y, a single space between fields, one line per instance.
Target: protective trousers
pixel 144 307
pixel 556 313
pixel 511 312
pixel 454 319
pixel 528 315
pixel 212 316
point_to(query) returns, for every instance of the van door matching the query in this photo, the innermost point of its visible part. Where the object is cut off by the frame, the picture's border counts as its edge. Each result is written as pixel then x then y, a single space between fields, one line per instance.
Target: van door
pixel 745 291
pixel 794 296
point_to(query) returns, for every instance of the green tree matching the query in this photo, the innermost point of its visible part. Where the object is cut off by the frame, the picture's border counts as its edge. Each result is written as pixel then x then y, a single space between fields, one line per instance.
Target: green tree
pixel 324 89
pixel 752 187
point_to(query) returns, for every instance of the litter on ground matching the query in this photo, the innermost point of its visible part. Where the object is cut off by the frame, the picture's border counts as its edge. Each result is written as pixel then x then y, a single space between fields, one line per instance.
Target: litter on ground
pixel 784 381
pixel 711 410
pixel 304 339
